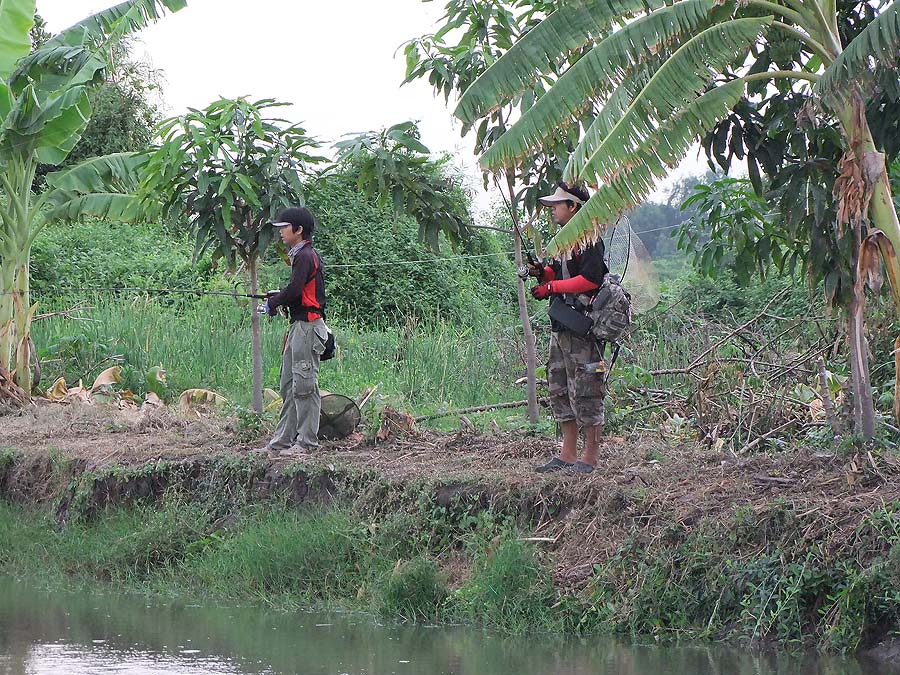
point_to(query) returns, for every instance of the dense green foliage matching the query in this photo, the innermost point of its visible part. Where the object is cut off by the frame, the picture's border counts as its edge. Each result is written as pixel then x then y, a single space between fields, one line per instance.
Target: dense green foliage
pixel 398 277
pixel 390 274
pixel 112 255
pixel 393 167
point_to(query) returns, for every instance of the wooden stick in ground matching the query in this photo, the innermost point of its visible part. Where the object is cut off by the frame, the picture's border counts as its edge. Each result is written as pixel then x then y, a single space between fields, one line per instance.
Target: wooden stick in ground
pixel 365 396
pixel 827 403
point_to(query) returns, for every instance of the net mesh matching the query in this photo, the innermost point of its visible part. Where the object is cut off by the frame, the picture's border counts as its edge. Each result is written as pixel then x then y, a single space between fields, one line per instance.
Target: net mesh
pixel 339 417
pixel 627 257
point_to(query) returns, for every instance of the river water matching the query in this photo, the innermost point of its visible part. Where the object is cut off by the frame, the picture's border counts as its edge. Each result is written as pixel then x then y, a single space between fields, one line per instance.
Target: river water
pixel 81 633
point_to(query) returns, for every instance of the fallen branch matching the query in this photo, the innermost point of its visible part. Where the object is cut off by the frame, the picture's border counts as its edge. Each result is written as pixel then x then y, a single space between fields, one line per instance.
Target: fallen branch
pixel 698 360
pixel 479 408
pixel 771 433
pixel 67 313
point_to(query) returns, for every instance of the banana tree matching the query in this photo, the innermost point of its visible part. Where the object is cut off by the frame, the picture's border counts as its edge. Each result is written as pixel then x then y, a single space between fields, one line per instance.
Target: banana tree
pixel 44 108
pixel 665 75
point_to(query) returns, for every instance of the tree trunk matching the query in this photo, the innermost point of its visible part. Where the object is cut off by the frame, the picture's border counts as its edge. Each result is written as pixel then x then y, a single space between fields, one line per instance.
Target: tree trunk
pixel 528 334
pixel 8 294
pixel 15 319
pixel 16 232
pixel 883 216
pixel 863 405
pixel 252 269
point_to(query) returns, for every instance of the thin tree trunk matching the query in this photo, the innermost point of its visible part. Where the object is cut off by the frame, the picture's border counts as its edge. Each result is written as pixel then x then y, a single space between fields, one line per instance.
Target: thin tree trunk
pixel 528 333
pixel 23 311
pixel 16 231
pixel 863 405
pixel 7 312
pixel 15 319
pixel 252 269
pixel 883 216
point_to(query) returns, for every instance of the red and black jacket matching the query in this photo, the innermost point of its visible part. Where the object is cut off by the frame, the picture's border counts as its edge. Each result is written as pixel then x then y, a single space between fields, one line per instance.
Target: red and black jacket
pixel 585 271
pixel 304 296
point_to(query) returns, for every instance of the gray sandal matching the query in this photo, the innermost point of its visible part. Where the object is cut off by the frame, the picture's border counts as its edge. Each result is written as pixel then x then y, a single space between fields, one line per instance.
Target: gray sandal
pixel 555 464
pixel 581 467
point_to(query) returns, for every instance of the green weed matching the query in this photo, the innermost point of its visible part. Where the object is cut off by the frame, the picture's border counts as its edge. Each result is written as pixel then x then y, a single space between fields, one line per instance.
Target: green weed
pixel 509 588
pixel 412 591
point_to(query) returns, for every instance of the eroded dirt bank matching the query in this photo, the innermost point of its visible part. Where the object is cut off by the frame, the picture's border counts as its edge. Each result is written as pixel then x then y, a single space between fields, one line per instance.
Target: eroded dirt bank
pixel 645 486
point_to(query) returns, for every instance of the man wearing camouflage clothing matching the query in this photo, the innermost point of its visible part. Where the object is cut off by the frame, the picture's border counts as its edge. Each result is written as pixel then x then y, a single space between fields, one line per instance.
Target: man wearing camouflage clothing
pixel 577 384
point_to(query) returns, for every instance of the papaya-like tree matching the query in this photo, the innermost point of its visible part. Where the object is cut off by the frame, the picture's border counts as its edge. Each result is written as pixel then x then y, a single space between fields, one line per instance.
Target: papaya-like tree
pixel 44 108
pixel 665 74
pixel 226 171
pixel 393 166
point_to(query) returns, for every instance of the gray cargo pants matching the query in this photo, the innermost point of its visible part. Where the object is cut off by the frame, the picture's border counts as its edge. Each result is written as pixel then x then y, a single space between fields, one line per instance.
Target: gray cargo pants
pixel 298 422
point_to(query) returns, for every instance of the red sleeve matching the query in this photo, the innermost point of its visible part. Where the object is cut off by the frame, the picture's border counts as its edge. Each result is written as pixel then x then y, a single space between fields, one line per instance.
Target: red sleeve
pixel 548 275
pixel 578 284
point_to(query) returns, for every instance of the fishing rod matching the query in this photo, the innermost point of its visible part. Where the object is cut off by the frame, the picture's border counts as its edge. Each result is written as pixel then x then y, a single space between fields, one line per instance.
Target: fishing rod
pixel 523 273
pixel 155 291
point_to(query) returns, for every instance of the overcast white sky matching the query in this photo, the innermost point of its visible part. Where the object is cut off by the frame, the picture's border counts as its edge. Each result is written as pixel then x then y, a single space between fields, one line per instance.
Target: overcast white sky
pixel 338 62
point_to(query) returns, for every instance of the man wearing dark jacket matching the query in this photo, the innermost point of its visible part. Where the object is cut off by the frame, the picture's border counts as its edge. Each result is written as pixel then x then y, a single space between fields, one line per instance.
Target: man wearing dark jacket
pixel 304 298
pixel 577 386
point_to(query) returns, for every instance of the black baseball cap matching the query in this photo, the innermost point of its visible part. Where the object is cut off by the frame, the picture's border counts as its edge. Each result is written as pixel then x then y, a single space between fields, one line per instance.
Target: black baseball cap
pixel 296 216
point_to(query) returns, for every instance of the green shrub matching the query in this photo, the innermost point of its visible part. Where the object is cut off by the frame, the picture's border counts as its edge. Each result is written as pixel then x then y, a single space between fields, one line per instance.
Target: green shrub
pixel 413 591
pixel 509 588
pixel 104 254
pixel 134 543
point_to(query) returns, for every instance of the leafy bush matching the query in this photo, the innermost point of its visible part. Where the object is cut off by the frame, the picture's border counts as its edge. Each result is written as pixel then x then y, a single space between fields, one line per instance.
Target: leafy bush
pixel 354 230
pixel 132 543
pixel 413 591
pixel 311 555
pixel 508 588
pixel 98 253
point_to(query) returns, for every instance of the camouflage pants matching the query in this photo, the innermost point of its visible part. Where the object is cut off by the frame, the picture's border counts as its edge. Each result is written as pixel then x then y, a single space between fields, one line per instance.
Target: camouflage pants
pixel 301 402
pixel 577 391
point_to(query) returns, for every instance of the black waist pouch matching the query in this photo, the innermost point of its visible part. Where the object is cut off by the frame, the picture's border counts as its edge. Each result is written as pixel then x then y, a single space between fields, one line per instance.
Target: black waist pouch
pixel 330 348
pixel 573 320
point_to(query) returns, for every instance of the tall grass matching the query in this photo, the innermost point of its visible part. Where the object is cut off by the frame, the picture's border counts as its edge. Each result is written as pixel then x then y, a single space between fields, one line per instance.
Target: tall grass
pixel 205 342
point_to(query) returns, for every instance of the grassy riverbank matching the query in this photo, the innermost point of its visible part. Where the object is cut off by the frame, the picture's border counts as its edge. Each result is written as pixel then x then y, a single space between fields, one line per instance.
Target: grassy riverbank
pixel 786 569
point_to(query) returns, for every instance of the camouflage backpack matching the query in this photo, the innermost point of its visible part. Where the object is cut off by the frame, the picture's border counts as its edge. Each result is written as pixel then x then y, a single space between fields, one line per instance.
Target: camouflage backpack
pixel 610 310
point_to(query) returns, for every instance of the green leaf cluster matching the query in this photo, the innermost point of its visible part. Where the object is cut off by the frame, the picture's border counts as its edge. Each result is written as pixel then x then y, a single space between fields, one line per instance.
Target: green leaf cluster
pixel 225 171
pixel 393 167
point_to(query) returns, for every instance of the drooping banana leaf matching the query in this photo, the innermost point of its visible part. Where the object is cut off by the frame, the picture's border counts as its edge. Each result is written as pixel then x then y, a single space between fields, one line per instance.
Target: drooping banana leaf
pixel 659 152
pixel 677 82
pixel 596 74
pixel 563 31
pixel 104 187
pixel 876 47
pixel 16 20
pixel 51 108
pixel 126 17
pixel 49 128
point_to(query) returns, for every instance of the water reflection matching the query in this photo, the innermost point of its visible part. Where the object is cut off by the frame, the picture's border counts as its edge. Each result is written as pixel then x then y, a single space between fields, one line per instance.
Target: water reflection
pixel 80 633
